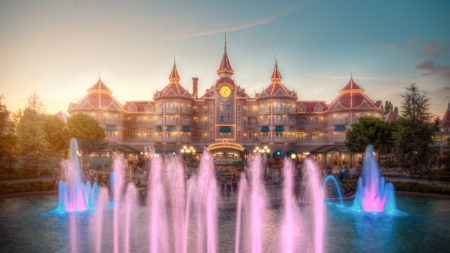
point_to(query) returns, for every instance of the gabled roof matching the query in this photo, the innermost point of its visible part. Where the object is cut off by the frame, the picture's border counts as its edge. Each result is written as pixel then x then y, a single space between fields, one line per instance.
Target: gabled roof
pixel 99 86
pixel 174 88
pixel 351 86
pixel 352 97
pixel 98 98
pixel 276 88
pixel 390 116
pixel 309 105
pixel 445 122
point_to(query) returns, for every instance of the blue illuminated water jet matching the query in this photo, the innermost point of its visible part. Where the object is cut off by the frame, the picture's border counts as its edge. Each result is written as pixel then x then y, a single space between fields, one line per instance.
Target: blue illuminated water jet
pixel 373 194
pixel 336 184
pixel 74 195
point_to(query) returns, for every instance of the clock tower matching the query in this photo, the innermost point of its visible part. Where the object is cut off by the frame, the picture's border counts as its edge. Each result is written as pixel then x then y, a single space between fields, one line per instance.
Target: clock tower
pixel 225 101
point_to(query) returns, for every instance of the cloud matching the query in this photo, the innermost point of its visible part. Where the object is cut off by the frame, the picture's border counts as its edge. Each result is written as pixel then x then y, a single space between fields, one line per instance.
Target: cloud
pixel 258 22
pixel 411 42
pixel 437 48
pixel 429 66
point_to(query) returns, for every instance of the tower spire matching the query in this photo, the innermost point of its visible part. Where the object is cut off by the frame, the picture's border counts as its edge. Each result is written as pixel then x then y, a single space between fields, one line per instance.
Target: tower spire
pixel 174 77
pixel 225 47
pixel 276 75
pixel 225 66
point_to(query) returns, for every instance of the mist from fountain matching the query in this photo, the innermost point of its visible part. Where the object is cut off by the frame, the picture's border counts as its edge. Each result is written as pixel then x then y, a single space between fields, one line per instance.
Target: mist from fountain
pixel 373 194
pixel 73 194
pixel 183 213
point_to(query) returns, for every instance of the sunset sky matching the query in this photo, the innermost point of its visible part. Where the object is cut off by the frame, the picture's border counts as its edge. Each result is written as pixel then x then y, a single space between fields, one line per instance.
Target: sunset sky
pixel 58 48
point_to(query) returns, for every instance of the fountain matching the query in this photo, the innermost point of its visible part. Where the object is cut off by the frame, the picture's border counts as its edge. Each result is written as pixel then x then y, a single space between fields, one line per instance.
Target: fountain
pixel 73 194
pixel 373 194
pixel 331 178
pixel 182 214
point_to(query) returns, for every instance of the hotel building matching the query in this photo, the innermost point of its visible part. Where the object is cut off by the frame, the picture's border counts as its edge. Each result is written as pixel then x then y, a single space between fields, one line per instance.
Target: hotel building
pixel 225 118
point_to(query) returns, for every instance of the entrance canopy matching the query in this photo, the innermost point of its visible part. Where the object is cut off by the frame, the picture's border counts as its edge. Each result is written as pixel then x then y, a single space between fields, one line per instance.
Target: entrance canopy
pixel 226 145
pixel 278 153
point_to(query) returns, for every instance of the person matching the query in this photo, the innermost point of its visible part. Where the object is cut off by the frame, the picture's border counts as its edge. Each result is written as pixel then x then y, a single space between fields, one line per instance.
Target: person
pixel 234 182
pixel 228 188
pixel 222 189
pixel 218 175
pixel 346 173
pixel 341 173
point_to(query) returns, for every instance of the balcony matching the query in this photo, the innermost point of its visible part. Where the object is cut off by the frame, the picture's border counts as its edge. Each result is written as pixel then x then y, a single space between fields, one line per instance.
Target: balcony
pixel 158 121
pixel 279 139
pixel 279 110
pixel 339 121
pixel 264 122
pixel 171 110
pixel 264 138
pixel 279 121
pixel 111 121
pixel 171 121
pixel 187 121
pixel 171 139
pixel 186 110
pixel 186 138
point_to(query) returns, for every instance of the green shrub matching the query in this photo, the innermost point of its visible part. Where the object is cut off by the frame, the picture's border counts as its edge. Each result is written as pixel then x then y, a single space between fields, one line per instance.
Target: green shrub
pixel 27 187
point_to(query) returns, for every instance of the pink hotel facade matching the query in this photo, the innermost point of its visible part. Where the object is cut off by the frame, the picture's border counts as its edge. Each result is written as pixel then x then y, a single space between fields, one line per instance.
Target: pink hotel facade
pixel 225 113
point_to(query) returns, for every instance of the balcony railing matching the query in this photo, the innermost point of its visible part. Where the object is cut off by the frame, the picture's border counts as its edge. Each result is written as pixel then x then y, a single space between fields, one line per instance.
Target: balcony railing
pixel 264 122
pixel 171 121
pixel 278 121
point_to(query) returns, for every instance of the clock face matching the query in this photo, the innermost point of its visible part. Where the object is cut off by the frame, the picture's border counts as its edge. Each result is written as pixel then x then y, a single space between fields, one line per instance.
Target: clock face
pixel 225 91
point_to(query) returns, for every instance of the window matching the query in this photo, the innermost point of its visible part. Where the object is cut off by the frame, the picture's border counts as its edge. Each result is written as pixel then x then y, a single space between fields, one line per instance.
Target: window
pixel 228 118
pixel 228 107
pixel 238 118
pixel 238 134
pixel 239 108
pixel 221 108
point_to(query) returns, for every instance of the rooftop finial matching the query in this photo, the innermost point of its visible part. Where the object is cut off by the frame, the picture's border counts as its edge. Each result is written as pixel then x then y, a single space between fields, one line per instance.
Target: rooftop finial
pixel 99 75
pixel 351 75
pixel 276 60
pixel 225 48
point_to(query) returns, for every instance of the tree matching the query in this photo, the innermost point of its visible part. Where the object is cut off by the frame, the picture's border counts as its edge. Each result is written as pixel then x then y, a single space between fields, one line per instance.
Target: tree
pixel 388 106
pixel 56 134
pixel 414 134
pixel 415 104
pixel 32 141
pixel 87 131
pixel 370 130
pixel 8 140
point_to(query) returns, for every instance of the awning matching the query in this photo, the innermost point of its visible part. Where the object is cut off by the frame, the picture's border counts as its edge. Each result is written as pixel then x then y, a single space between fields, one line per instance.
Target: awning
pixel 111 128
pixel 171 128
pixel 290 152
pixel 339 128
pixel 158 151
pixel 225 129
pixel 279 129
pixel 265 129
pixel 278 153
pixel 185 129
pixel 292 129
pixel 171 152
pixel 158 129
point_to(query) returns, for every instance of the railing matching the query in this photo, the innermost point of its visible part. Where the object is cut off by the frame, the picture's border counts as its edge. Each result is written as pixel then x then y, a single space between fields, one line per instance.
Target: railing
pixel 278 121
pixel 158 121
pixel 279 110
pixel 264 122
pixel 170 121
pixel 171 110
pixel 171 139
pixel 186 121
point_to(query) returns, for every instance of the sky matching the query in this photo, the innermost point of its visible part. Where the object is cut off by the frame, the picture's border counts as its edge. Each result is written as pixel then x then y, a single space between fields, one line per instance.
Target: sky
pixel 58 49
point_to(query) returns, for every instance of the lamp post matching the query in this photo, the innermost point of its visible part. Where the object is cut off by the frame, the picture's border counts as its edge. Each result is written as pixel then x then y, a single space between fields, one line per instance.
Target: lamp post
pixel 262 151
pixel 188 150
